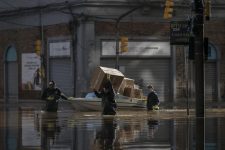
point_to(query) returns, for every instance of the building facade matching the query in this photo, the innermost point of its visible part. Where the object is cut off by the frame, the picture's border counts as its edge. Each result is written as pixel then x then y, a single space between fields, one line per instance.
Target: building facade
pixel 77 36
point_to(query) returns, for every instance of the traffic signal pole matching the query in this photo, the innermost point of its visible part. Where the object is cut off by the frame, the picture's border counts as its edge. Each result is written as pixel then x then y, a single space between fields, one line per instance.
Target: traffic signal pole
pixel 198 30
pixel 117 46
pixel 118 34
pixel 199 57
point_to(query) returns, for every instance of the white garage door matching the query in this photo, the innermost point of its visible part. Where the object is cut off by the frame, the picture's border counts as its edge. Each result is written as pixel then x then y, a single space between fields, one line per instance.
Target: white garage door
pixel 61 73
pixel 144 72
pixel 210 81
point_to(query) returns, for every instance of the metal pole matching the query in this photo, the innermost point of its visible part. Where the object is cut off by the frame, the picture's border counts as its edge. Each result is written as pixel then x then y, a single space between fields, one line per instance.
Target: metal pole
pixel 199 73
pixel 118 34
pixel 199 58
pixel 117 47
pixel 43 83
pixel 73 28
pixel 187 80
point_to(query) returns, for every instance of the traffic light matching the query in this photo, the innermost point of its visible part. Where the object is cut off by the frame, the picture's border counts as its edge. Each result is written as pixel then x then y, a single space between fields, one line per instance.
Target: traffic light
pixel 42 72
pixel 168 11
pixel 38 47
pixel 207 9
pixel 123 44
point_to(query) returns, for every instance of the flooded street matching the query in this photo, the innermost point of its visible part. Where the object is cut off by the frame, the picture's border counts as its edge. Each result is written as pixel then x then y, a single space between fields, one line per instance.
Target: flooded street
pixel 29 128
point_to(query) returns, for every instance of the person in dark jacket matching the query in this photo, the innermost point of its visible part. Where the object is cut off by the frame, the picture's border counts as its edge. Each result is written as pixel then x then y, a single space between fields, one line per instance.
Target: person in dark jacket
pixel 51 95
pixel 108 98
pixel 152 99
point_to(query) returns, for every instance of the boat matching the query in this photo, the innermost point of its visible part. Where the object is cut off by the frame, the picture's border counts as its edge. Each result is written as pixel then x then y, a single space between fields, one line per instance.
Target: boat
pixel 94 103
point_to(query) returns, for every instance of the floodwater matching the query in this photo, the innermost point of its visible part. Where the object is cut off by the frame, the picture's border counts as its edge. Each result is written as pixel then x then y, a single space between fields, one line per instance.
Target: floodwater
pixel 28 128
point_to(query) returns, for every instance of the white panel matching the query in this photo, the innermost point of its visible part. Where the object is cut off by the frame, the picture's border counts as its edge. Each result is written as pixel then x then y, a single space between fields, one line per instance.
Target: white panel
pixel 59 48
pixel 135 48
pixel 30 65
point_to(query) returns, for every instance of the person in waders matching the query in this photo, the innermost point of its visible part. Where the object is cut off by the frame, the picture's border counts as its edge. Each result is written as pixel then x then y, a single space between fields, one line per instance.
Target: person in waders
pixel 152 99
pixel 51 95
pixel 108 98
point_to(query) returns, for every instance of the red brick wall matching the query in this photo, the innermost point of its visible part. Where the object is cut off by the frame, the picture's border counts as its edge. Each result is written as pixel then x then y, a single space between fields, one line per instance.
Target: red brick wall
pixel 215 30
pixel 23 40
pixel 138 29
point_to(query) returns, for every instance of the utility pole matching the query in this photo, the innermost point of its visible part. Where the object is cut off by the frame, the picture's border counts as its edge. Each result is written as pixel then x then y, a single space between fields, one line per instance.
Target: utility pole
pixel 198 30
pixel 117 45
pixel 42 53
pixel 118 34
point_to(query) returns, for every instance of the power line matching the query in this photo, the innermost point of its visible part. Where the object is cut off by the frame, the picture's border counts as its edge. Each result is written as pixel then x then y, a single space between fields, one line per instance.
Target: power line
pixel 7 3
pixel 18 24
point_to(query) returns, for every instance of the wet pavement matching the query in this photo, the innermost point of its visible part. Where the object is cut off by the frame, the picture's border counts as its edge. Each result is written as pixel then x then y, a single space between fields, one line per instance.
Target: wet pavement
pixel 28 128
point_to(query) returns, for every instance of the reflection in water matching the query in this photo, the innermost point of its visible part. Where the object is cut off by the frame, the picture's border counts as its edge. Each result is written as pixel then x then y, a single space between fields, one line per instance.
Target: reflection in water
pixel 152 127
pixel 67 130
pixel 11 132
pixel 49 128
pixel 106 136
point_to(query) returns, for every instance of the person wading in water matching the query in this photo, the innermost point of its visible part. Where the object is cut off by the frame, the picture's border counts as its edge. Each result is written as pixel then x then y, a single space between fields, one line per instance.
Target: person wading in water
pixel 108 98
pixel 51 95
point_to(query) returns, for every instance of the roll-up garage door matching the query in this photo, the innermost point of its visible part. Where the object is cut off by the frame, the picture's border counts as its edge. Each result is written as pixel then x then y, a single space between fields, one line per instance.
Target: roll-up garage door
pixel 144 72
pixel 61 73
pixel 12 79
pixel 210 81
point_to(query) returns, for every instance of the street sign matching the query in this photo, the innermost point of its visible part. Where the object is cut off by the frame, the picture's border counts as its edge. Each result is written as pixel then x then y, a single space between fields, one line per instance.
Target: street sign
pixel 180 32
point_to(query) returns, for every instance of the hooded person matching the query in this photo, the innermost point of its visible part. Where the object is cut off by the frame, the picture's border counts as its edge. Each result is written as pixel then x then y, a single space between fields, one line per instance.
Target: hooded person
pixel 108 98
pixel 51 95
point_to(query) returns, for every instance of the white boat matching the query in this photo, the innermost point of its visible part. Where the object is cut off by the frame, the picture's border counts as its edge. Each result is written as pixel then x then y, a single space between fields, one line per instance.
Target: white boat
pixel 94 104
